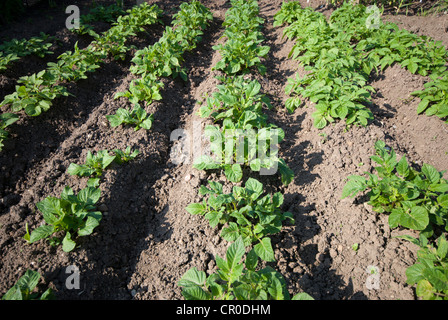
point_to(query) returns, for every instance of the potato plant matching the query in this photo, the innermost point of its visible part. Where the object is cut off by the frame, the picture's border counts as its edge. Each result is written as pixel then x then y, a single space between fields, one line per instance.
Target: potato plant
pixel 237 280
pixel 343 51
pixel 138 118
pixel 67 217
pixel 413 199
pixel 245 212
pixel 234 148
pixel 430 272
pixel 15 49
pixel 101 13
pixel 242 50
pixel 35 94
pixel 417 200
pixel 6 119
pixel 237 100
pixel 96 163
pixel 25 288
pixel 164 58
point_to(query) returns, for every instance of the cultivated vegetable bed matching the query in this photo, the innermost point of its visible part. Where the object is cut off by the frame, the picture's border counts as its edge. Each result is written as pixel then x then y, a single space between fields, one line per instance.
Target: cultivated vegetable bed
pixel 235 149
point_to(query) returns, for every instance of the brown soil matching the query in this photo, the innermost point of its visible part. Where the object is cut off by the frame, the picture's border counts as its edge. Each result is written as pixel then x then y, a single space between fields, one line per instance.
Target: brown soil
pixel 146 240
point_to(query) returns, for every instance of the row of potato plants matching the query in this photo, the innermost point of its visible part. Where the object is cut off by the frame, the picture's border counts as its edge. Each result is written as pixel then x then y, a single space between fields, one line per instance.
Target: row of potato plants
pixel 246 215
pixel 16 49
pixel 71 216
pixel 163 59
pixel 35 94
pixel 107 14
pixel 386 44
pixel 342 52
pixel 415 199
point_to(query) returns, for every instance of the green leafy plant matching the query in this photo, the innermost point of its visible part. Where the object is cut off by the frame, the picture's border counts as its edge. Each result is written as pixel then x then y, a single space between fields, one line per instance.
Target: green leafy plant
pixel 246 213
pixel 126 155
pixel 15 49
pixel 35 94
pixel 23 289
pixel 107 14
pixel 241 53
pixel 414 199
pixel 72 215
pixel 193 15
pixel 236 279
pixel 430 273
pixel 434 97
pixel 95 164
pixel 232 148
pixel 75 65
pixel 165 57
pixel 138 117
pixel 38 46
pixel 6 119
pixel 146 89
pixel 243 49
pixel 238 100
pixel 7 59
pixel 340 54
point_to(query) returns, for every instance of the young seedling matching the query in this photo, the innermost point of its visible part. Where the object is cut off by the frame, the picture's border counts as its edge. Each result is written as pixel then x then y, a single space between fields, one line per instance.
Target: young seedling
pixel 6 119
pixel 138 118
pixel 95 164
pixel 125 156
pixel 23 289
pixel 145 89
pixel 73 215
